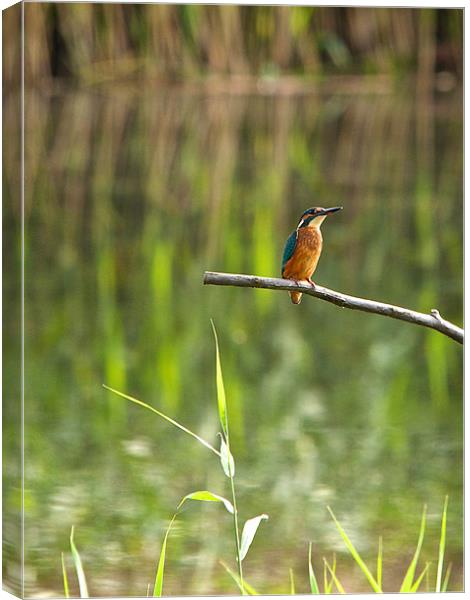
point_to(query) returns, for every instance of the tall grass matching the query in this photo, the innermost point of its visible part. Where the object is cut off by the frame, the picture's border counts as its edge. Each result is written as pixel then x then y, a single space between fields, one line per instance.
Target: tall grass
pixel 98 42
pixel 411 582
pixel 242 541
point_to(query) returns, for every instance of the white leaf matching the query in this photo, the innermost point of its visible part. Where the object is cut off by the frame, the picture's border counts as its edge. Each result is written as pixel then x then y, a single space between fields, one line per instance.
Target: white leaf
pixel 249 532
pixel 225 457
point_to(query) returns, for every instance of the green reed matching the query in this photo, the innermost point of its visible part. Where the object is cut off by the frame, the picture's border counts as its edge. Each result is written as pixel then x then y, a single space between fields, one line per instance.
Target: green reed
pixel 102 42
pixel 242 540
pixel 411 582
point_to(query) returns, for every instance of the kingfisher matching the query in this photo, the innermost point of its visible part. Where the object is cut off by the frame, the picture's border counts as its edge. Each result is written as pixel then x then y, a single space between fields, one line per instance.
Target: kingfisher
pixel 303 248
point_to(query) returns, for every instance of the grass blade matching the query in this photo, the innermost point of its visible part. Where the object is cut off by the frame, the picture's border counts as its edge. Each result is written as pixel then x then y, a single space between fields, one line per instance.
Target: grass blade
pixel 334 572
pixel 337 582
pixel 248 588
pixel 410 573
pixel 442 545
pixel 325 578
pixel 64 577
pixel 221 400
pixel 292 582
pixel 78 567
pixel 355 555
pixel 226 458
pixel 158 586
pixel 249 532
pixel 163 416
pixel 446 578
pixel 379 562
pixel 205 496
pixel 415 587
pixel 311 574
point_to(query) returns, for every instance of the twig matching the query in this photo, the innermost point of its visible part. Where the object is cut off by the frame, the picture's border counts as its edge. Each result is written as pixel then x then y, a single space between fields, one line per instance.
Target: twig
pixel 432 320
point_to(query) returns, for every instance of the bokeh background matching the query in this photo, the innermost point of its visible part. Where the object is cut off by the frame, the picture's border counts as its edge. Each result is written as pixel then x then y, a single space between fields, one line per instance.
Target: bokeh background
pixel 164 140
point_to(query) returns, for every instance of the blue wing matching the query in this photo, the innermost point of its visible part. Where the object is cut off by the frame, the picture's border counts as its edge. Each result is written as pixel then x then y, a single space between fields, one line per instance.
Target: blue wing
pixel 289 248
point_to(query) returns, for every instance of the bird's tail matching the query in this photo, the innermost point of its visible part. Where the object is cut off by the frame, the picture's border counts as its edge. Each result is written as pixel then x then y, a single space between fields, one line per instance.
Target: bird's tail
pixel 296 297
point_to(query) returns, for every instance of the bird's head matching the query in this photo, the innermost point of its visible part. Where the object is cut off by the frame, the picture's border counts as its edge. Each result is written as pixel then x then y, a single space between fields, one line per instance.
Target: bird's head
pixel 314 217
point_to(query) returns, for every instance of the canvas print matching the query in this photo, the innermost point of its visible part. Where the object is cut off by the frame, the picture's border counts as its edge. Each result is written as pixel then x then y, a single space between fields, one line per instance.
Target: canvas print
pixel 232 299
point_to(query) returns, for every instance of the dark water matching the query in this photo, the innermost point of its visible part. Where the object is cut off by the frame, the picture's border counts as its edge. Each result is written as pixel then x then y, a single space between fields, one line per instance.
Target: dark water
pixel 130 196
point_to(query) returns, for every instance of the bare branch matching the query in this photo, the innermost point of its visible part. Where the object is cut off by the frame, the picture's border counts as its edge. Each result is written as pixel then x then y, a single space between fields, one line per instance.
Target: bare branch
pixel 432 320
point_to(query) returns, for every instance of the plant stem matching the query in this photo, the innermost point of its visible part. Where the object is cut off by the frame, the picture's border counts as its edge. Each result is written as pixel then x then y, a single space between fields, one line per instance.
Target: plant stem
pixel 235 512
pixel 235 526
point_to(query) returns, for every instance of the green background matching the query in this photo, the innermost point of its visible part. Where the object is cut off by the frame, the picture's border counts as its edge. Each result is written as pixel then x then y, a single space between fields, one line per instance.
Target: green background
pixel 137 184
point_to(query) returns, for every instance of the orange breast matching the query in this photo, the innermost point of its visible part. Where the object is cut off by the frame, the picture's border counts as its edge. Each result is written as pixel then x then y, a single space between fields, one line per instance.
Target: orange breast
pixel 307 252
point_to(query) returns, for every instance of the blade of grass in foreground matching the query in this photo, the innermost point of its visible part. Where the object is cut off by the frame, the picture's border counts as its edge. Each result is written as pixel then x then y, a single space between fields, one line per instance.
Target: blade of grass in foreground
pixel 417 583
pixel 446 578
pixel 221 400
pixel 222 408
pixel 311 574
pixel 326 589
pixel 328 585
pixel 379 562
pixel 375 586
pixel 64 577
pixel 158 586
pixel 337 582
pixel 292 582
pixel 163 416
pixel 79 568
pixel 442 545
pixel 248 588
pixel 202 496
pixel 410 573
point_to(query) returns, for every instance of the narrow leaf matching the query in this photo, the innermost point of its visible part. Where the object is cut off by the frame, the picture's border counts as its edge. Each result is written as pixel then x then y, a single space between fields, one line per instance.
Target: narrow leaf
pixel 205 496
pixel 410 573
pixel 337 582
pixel 221 401
pixel 415 587
pixel 79 568
pixel 355 554
pixel 248 588
pixel 446 578
pixel 326 585
pixel 226 458
pixel 158 586
pixel 334 572
pixel 292 583
pixel 379 562
pixel 248 533
pixel 311 574
pixel 64 577
pixel 148 590
pixel 442 545
pixel 163 416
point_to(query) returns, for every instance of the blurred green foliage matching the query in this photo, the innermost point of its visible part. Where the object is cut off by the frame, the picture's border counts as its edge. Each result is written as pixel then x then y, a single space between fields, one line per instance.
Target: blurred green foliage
pixel 96 42
pixel 129 198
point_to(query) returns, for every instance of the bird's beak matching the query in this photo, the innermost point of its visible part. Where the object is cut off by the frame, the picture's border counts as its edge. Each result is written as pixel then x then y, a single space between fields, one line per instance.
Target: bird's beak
pixel 327 211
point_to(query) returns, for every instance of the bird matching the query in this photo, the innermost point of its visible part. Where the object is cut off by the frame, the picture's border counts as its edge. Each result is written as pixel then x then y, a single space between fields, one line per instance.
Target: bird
pixel 303 248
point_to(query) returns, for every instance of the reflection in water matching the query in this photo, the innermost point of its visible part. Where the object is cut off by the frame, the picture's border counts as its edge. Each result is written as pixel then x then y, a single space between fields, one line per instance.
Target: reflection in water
pixel 130 196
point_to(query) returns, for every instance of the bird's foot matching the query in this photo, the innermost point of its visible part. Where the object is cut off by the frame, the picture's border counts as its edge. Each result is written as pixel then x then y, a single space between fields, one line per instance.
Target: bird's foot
pixel 311 283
